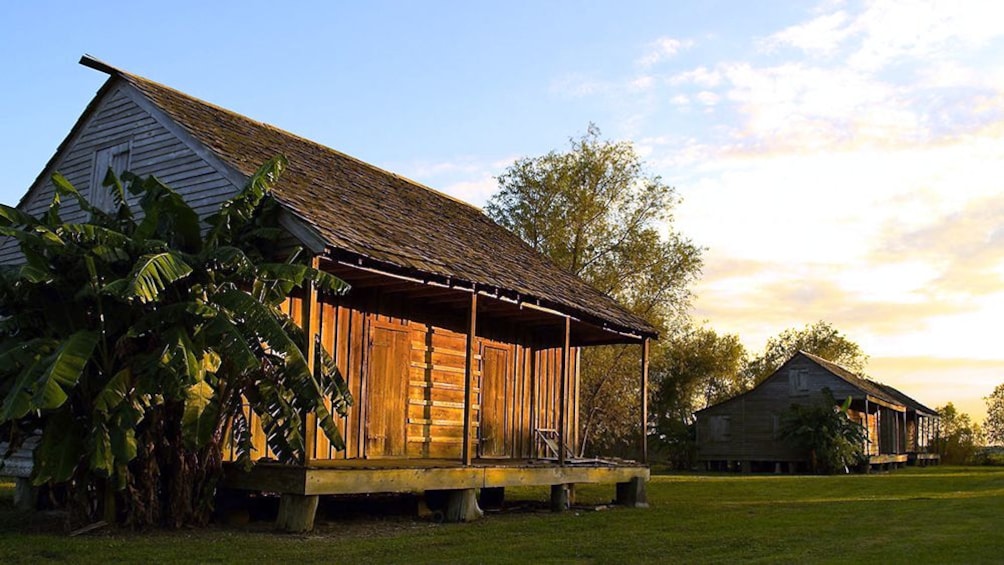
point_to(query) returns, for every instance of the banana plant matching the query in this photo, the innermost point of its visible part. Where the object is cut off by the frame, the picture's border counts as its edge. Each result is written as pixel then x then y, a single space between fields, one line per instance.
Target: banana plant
pixel 134 343
pixel 825 431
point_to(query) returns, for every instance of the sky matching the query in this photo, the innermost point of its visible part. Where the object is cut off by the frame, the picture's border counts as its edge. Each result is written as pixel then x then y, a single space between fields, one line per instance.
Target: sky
pixel 839 160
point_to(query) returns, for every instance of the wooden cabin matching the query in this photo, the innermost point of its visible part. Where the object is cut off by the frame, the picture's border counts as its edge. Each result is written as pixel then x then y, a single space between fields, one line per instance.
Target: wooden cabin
pixel 743 433
pixel 459 342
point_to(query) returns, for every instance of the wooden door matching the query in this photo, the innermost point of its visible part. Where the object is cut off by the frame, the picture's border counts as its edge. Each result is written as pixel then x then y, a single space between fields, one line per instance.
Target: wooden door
pixel 496 385
pixel 387 392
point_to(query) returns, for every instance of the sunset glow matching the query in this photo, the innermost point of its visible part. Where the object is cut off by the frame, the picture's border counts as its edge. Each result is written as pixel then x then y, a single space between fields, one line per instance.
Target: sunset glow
pixel 842 161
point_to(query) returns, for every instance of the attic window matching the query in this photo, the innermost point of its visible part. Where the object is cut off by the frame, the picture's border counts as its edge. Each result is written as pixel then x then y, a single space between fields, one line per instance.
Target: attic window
pixel 117 158
pixel 721 428
pixel 798 382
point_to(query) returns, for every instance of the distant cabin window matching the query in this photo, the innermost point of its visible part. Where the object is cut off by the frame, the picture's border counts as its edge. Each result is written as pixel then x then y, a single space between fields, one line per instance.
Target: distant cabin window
pixel 775 426
pixel 116 157
pixel 721 428
pixel 798 382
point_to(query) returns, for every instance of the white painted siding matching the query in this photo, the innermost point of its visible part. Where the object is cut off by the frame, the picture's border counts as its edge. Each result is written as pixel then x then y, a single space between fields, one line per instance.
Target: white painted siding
pixel 154 150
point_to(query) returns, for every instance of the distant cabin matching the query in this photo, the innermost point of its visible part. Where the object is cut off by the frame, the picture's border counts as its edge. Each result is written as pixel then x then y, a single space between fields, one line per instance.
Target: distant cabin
pixel 459 342
pixel 743 433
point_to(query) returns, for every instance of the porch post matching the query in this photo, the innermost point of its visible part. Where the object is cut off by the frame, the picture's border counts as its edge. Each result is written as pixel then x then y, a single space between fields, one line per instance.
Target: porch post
pixel 903 435
pixel 575 405
pixel 868 434
pixel 927 434
pixel 563 390
pixel 921 433
pixel 311 327
pixel 644 400
pixel 467 452
pixel 531 350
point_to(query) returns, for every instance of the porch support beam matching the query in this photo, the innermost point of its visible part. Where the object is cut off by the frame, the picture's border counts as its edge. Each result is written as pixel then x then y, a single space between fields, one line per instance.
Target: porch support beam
pixel 566 363
pixel 633 493
pixel 560 500
pixel 461 506
pixel 644 400
pixel 296 513
pixel 884 404
pixel 311 327
pixel 468 450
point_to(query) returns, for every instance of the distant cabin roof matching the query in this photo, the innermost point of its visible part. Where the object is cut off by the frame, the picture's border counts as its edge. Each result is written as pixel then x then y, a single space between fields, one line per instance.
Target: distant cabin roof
pixel 365 213
pixel 867 386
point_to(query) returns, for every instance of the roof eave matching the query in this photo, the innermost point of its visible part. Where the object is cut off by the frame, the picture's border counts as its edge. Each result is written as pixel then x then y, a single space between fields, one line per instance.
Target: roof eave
pixel 356 260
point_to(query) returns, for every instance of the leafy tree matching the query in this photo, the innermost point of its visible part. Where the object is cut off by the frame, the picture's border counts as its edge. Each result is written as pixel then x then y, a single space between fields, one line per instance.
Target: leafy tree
pixel 695 369
pixel 824 430
pixel 959 438
pixel 598 214
pixel 820 339
pixel 132 341
pixel 993 426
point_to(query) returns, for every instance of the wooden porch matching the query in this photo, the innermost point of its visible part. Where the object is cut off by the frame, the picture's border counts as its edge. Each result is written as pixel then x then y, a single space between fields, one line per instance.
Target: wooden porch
pixel 357 476
pixel 453 483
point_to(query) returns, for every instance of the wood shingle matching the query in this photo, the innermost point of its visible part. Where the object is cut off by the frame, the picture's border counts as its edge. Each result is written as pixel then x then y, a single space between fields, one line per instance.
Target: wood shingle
pixel 367 214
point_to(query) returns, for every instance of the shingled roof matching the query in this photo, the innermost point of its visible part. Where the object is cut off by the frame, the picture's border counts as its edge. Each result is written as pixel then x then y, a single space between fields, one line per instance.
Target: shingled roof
pixel 365 212
pixel 907 401
pixel 874 388
pixel 865 385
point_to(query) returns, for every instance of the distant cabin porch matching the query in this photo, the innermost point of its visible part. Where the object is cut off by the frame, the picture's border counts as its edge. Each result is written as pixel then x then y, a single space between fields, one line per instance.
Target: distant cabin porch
pixel 896 435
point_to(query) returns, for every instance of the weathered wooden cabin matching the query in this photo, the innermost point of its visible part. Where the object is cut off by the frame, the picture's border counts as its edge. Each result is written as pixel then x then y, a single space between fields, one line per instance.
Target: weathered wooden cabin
pixel 743 433
pixel 459 342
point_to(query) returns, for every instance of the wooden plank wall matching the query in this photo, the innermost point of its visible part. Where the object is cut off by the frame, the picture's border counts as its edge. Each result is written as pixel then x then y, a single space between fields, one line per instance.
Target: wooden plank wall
pixel 872 446
pixel 435 411
pixel 548 398
pixel 912 431
pixel 518 392
pixel 752 415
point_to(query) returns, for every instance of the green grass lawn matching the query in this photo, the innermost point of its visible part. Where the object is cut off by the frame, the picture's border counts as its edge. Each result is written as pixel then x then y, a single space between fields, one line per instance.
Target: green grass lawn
pixel 934 515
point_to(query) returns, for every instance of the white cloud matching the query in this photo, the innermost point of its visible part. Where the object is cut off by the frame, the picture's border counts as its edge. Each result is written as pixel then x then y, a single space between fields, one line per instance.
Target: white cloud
pixel 662 49
pixel 708 98
pixel 475 191
pixel 884 32
pixel 468 178
pixel 423 169
pixel 576 85
pixel 644 82
pixel 822 35
pixel 701 76
pixel 900 247
pixel 923 29
pixel 794 104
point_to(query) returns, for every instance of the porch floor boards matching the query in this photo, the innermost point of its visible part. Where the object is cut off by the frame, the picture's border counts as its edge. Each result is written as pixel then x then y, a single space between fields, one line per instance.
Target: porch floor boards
pixel 405 463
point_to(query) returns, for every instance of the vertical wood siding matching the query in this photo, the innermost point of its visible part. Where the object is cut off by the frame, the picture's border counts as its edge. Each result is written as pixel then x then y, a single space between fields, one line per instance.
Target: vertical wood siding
pixel 407 381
